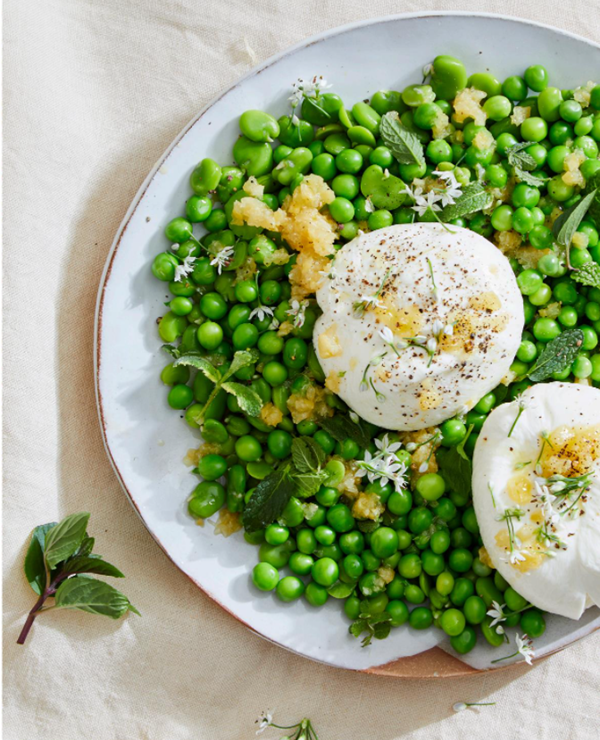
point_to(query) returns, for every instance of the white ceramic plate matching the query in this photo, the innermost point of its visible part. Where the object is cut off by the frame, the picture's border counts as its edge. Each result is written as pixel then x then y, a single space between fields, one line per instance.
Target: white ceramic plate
pixel 146 441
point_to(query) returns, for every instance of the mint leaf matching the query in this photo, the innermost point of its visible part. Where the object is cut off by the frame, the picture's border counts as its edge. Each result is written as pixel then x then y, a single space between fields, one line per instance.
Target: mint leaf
pixel 358 627
pixel 171 349
pixel 558 355
pixel 308 483
pixel 341 590
pixel 474 198
pixel 594 211
pixel 567 223
pixel 269 499
pixel 517 157
pixel 241 359
pixel 341 427
pixel 35 570
pixel 587 275
pixel 95 597
pixel 404 145
pixel 64 539
pixel 199 363
pixel 455 469
pixel 307 455
pixel 529 178
pixel 91 564
pixel 249 400
pixel 382 630
pixel 86 547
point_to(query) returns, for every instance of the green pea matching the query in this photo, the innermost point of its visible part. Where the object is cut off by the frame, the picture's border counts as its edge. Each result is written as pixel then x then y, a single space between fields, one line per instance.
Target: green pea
pixel 491 635
pixel 448 77
pixel 497 107
pixel 462 589
pixel 171 327
pixel 453 622
pixel 265 577
pixel 297 163
pixel 259 126
pixel 335 143
pixel 465 642
pixel 534 129
pixel 533 623
pixel 232 180
pixel 431 486
pixel 515 88
pixel 415 95
pixel 385 191
pixel 548 102
pixel 421 618
pixel 205 177
pixel 361 135
pixel 290 588
pixel 384 101
pixel 255 158
pixel 536 77
pixel 487 590
pixel 207 498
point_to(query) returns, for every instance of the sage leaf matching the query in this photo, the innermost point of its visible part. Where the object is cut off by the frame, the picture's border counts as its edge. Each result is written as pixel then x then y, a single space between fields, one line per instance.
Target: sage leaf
pixel 341 590
pixel 241 359
pixel 455 469
pixel 589 274
pixel 91 564
pixel 341 427
pixel 269 499
pixel 474 198
pixel 404 145
pixel 249 400
pixel 35 570
pixel 65 538
pixel 558 355
pixel 93 596
pixel 307 454
pixel 199 363
pixel 567 224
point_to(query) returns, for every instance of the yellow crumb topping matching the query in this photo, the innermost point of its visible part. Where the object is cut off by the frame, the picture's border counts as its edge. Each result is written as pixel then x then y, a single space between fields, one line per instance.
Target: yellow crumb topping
pixel 246 270
pixel 229 522
pixel 386 573
pixel 271 415
pixel 467 104
pixel 571 165
pixel 520 113
pixel 309 405
pixel 484 140
pixel 485 558
pixel 193 456
pixel 333 382
pixel 550 311
pixel 285 328
pixel 441 126
pixel 329 343
pixel 580 240
pixel 424 452
pixel 252 187
pixel 368 506
pixel 583 93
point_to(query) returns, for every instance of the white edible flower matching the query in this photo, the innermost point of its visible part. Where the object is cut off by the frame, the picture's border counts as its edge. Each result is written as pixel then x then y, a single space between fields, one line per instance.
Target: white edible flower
pixel 297 310
pixel 518 556
pixel 274 324
pixel 295 121
pixel 369 207
pixel 525 647
pixel 497 613
pixel 430 200
pixel 480 170
pixel 386 334
pixel 369 301
pixel 260 311
pixel 222 258
pixel 432 344
pixel 427 70
pixel 423 467
pixel 460 706
pixel 411 446
pixel 354 416
pixel 264 721
pixel 438 327
pixel 185 269
pixel 449 329
pixel 453 188
pixel 385 447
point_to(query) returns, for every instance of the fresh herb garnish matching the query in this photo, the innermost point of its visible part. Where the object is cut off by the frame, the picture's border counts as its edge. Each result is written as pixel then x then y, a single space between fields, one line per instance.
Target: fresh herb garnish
pixel 56 565
pixel 517 417
pixel 566 224
pixel 341 427
pixel 375 625
pixel 341 590
pixel 558 355
pixel 248 399
pixel 474 198
pixel 301 731
pixel 456 468
pixel 589 274
pixel 404 145
pixel 269 498
pixel 523 164
pixel 593 184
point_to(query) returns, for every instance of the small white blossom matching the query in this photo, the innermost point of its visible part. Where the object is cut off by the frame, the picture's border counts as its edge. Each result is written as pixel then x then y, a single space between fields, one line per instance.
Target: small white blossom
pixel 497 613
pixel 184 270
pixel 419 339
pixel 295 120
pixel 427 70
pixel 369 207
pixel 369 301
pixel 518 556
pixel 222 258
pixel 424 203
pixel 525 647
pixel 260 311
pixel 386 447
pixel 480 170
pixel 411 446
pixel 452 190
pixel 274 324
pixel 354 417
pixel 460 706
pixel 449 329
pixel 423 467
pixel 432 344
pixel 438 327
pixel 386 334
pixel 297 310
pixel 264 721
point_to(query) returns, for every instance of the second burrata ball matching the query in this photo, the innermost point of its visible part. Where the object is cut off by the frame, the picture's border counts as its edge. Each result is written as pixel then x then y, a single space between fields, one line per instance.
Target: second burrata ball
pixel 419 322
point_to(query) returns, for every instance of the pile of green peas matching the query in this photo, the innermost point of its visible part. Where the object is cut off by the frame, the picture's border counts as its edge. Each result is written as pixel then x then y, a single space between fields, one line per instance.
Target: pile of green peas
pixel 428 535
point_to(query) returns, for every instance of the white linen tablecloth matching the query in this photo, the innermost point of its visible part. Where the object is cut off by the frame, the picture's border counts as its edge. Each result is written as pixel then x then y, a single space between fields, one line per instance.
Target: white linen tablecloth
pixel 95 90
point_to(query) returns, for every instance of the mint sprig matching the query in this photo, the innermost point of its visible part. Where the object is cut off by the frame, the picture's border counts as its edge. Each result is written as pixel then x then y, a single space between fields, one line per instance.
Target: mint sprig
pixel 404 145
pixel 57 564
pixel 558 355
pixel 249 400
pixel 589 274
pixel 474 198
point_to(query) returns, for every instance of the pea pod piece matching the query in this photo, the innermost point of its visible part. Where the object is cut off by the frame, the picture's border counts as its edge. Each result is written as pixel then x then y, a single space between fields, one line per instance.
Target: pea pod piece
pixel 236 487
pixel 259 126
pixel 280 398
pixel 297 163
pixel 292 134
pixel 202 388
pixel 163 267
pixel 448 77
pixel 322 110
pixel 242 230
pixel 336 143
pixel 205 177
pixel 240 252
pixel 286 424
pixel 384 101
pixel 171 327
pixel 490 633
pixel 253 157
pixel 331 128
pixel 335 473
pixel 385 191
pixel 486 82
pixel 346 118
pixel 361 135
pixel 231 181
pixel 263 389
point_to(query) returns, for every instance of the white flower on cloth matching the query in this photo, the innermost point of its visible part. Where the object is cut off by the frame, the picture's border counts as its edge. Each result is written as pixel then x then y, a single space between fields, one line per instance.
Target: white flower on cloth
pixel 452 190
pixel 385 447
pixel 184 269
pixel 264 721
pixel 297 309
pixel 222 258
pixel 260 311
pixel 496 613
pixel 525 647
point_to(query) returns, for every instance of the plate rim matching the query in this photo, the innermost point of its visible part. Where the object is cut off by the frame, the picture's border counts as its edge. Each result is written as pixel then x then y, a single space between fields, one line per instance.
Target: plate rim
pixel 107 269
